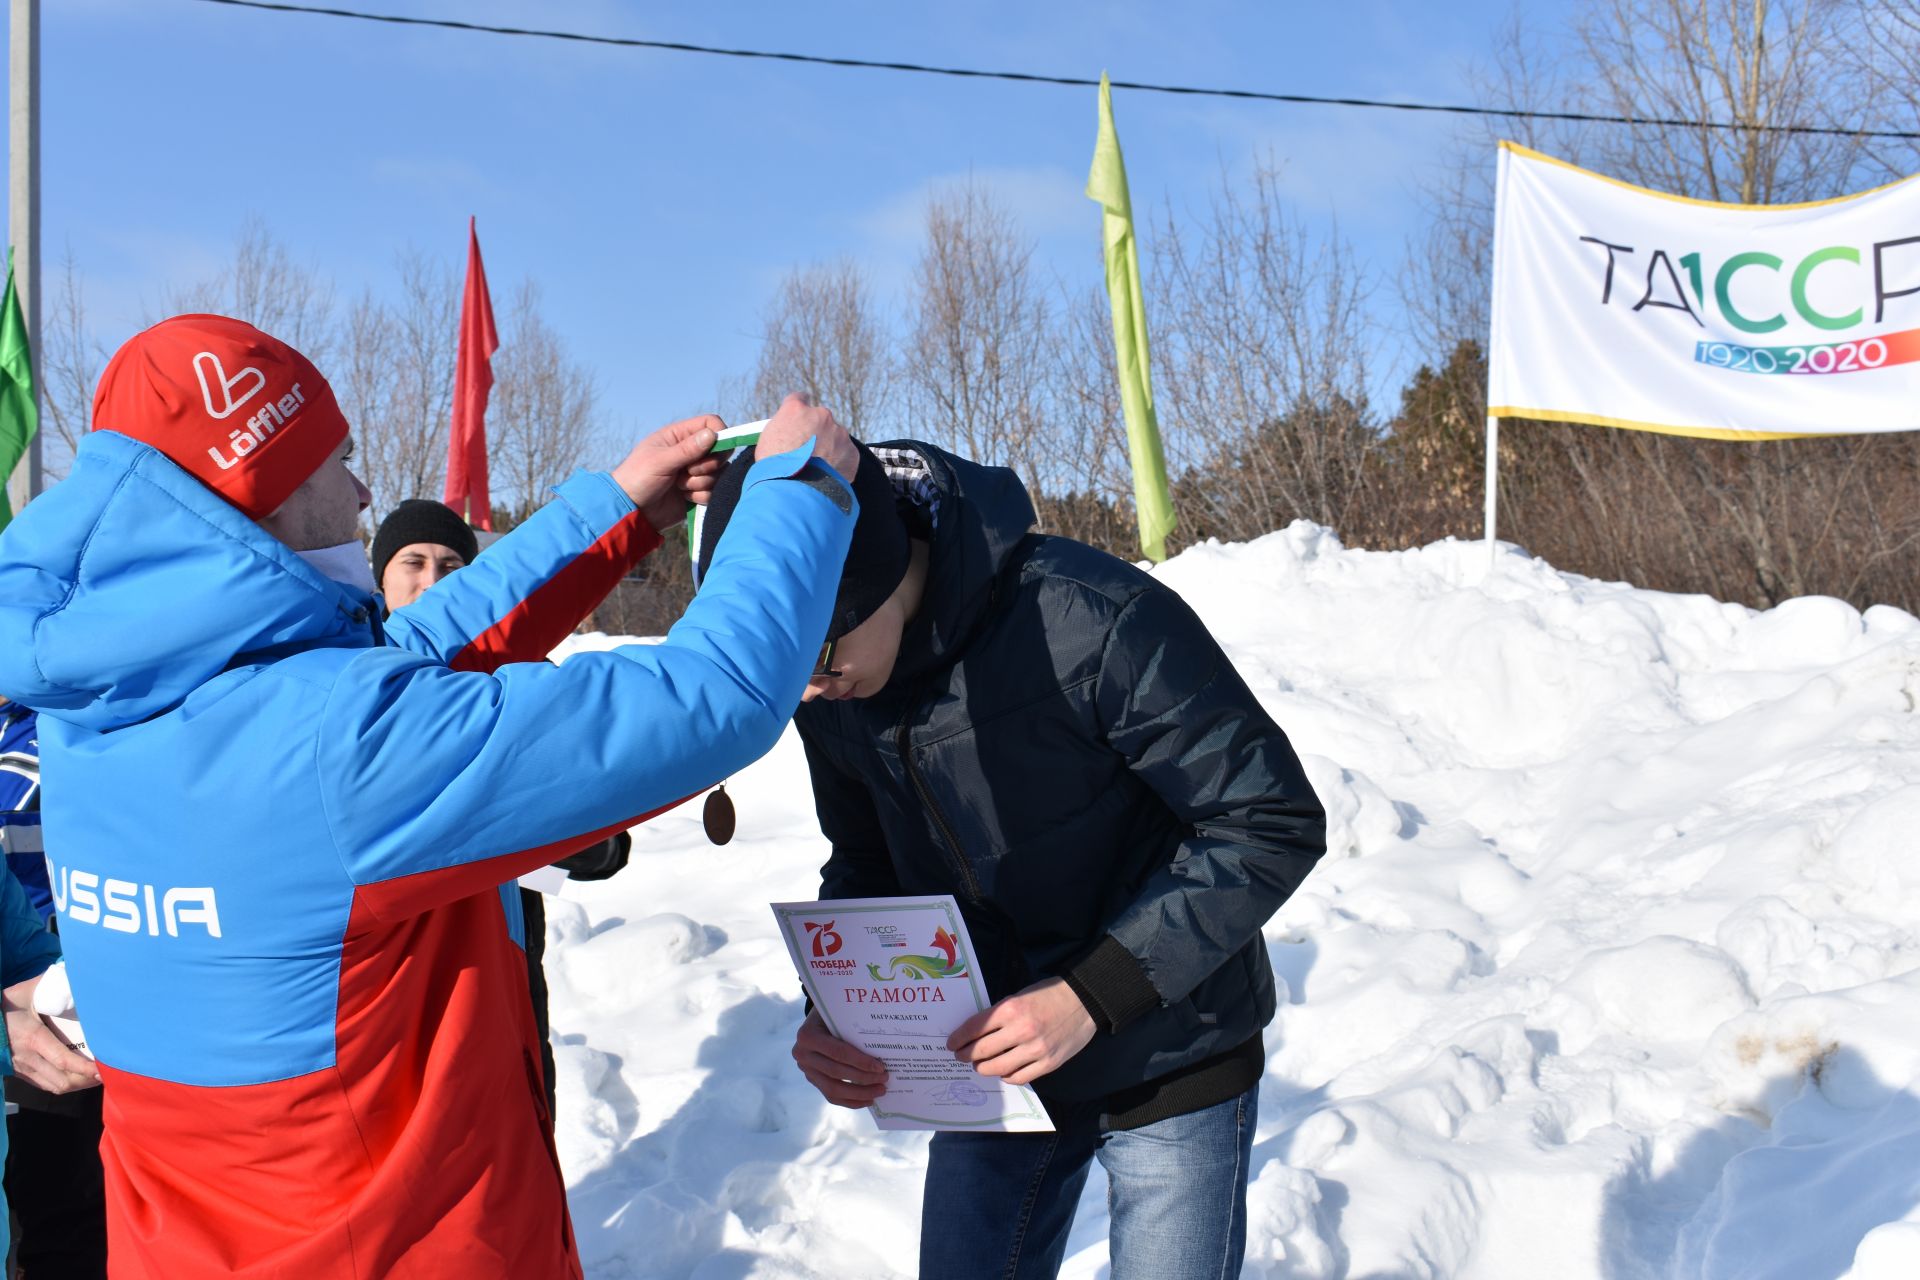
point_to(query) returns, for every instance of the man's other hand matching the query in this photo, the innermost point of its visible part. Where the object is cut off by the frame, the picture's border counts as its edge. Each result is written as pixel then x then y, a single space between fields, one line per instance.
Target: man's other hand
pixel 670 468
pixel 39 1055
pixel 844 1076
pixel 1026 1035
pixel 800 418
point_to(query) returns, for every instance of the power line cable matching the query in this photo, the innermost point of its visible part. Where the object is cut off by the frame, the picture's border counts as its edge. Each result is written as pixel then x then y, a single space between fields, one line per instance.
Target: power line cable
pixel 1025 77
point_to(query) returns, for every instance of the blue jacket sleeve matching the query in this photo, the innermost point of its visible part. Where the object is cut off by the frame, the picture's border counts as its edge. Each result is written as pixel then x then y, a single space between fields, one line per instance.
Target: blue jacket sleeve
pixel 26 948
pixel 527 591
pixel 438 782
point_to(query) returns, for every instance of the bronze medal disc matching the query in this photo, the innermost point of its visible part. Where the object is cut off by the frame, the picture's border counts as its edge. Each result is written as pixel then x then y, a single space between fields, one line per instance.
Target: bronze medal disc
pixel 717 816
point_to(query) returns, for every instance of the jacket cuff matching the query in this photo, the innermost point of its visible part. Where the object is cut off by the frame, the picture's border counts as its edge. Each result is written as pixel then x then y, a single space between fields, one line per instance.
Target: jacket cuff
pixel 800 464
pixel 1112 984
pixel 599 861
pixel 596 498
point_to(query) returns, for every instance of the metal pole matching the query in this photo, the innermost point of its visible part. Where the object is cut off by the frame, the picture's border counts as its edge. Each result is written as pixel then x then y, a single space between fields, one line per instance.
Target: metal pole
pixel 23 210
pixel 1493 486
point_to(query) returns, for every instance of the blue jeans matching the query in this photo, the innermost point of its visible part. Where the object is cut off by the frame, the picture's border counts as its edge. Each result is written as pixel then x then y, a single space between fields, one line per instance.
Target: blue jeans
pixel 997 1206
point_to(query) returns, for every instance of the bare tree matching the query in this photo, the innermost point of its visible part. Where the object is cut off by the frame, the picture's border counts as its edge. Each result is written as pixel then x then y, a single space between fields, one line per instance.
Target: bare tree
pixel 824 335
pixel 1751 64
pixel 397 381
pixel 264 286
pixel 71 360
pixel 389 360
pixel 1262 376
pixel 1887 62
pixel 975 354
pixel 261 284
pixel 542 415
pixel 1259 366
pixel 1084 485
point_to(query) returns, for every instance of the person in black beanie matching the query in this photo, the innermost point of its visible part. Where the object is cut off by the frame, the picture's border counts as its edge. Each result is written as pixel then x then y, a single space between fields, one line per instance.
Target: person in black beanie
pixel 420 542
pixel 1051 735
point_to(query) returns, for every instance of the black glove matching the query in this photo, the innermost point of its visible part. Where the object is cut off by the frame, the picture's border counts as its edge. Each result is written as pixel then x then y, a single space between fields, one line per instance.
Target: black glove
pixel 598 861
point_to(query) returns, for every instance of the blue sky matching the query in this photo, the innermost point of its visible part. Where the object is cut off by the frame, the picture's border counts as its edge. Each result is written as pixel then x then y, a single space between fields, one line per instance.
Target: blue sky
pixel 657 198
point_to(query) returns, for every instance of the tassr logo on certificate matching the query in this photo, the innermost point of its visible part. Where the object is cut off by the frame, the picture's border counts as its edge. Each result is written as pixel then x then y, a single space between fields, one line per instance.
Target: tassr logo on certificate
pixel 894 977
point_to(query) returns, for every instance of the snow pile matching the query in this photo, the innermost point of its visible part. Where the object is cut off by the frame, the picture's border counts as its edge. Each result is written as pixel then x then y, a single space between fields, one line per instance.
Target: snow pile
pixel 1612 969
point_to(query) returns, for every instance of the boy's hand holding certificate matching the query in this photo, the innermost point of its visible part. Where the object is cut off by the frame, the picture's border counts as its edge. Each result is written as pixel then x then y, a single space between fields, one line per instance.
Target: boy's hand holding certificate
pixel 894 977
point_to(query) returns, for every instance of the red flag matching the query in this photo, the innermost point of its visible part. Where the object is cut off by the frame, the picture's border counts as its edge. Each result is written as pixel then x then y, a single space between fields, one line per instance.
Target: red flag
pixel 472 380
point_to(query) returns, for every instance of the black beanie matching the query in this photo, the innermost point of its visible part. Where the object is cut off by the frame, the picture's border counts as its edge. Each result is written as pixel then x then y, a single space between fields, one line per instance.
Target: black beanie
pixel 876 559
pixel 421 520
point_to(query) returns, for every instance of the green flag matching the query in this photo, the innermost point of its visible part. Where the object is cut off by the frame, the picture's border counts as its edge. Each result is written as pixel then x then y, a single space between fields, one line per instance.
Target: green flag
pixel 1107 184
pixel 19 419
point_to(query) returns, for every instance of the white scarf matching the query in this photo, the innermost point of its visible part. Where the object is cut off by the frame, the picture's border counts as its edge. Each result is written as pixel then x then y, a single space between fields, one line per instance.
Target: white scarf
pixel 345 564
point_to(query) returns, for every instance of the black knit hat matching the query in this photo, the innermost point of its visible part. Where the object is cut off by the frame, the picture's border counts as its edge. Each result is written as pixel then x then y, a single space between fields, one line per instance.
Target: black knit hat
pixel 421 520
pixel 876 559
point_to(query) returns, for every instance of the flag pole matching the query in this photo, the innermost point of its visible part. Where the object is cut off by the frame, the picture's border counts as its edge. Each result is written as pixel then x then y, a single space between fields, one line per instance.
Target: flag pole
pixel 1493 486
pixel 23 210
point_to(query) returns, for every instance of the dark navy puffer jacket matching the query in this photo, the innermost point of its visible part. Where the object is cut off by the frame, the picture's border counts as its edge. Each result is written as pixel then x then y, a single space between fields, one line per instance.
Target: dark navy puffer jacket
pixel 1065 748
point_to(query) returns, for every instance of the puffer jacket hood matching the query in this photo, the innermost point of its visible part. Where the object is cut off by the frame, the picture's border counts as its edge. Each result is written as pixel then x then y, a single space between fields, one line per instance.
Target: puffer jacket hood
pixel 983 515
pixel 127 536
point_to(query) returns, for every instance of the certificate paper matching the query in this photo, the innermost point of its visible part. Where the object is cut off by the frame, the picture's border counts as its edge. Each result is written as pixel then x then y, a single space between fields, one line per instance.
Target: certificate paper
pixel 893 977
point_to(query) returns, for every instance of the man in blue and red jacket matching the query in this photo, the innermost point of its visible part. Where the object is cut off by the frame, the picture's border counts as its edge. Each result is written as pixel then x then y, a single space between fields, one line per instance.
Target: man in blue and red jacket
pixel 279 825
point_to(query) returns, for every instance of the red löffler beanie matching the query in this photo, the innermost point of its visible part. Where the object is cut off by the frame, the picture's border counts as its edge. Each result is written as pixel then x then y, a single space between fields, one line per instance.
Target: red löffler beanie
pixel 242 411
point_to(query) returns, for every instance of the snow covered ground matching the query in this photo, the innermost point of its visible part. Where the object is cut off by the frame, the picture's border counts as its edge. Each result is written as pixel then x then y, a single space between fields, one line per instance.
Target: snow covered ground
pixel 1612 969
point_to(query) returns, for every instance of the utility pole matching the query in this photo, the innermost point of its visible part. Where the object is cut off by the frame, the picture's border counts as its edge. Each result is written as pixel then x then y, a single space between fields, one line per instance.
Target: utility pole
pixel 23 210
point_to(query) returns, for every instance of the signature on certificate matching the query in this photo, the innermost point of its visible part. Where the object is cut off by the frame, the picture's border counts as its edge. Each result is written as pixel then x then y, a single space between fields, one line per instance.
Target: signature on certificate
pixel 962 1093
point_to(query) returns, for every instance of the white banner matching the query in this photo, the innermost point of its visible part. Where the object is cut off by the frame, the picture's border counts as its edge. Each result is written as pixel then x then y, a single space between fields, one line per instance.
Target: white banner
pixel 1625 307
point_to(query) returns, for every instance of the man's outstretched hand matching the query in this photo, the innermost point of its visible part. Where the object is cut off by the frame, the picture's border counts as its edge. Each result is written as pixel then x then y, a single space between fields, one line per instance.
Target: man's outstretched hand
pixel 800 418
pixel 671 468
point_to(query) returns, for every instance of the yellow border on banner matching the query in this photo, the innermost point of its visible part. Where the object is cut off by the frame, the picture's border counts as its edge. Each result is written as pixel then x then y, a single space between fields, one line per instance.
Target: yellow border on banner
pixel 1661 428
pixel 1542 156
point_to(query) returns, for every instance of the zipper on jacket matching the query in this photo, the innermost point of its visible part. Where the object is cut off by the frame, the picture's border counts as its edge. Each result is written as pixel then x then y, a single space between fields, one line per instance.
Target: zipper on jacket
pixel 920 788
pixel 544 1118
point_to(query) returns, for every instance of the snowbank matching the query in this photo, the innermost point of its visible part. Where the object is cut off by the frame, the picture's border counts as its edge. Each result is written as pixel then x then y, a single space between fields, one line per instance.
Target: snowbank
pixel 1612 969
